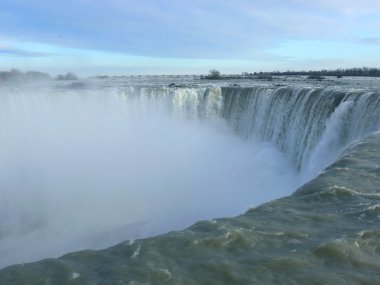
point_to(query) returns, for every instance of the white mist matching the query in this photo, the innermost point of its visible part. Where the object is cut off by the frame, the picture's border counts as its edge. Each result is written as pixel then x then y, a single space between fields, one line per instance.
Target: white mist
pixel 86 170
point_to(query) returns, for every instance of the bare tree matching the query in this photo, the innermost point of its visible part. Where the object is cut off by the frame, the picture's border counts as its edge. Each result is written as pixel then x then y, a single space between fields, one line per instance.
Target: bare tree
pixel 214 74
pixel 67 76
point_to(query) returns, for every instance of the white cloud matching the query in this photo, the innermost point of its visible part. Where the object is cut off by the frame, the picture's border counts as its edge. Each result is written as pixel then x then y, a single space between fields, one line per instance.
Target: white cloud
pixel 348 7
pixel 8 50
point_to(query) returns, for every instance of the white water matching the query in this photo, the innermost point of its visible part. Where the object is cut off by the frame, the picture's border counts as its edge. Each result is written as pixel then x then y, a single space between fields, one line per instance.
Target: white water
pixel 89 168
pixel 310 125
pixel 330 145
pixel 83 169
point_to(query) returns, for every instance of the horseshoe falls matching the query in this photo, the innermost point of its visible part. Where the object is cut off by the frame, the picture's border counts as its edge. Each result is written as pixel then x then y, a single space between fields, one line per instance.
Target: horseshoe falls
pixel 310 125
pixel 190 183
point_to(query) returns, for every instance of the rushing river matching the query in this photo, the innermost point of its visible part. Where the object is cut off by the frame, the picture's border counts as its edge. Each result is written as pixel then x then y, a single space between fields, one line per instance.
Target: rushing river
pixel 91 164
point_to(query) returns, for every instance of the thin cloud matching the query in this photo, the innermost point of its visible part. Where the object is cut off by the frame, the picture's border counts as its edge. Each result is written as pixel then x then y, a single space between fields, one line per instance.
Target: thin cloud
pixel 374 41
pixel 347 7
pixel 162 28
pixel 240 30
pixel 23 53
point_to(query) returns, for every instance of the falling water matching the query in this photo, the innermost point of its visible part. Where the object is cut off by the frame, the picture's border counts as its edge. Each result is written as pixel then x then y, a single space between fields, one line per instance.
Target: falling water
pixel 91 167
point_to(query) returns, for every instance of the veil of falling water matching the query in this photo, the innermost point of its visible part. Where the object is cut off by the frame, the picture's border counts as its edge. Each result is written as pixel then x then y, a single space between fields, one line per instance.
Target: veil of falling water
pixel 86 168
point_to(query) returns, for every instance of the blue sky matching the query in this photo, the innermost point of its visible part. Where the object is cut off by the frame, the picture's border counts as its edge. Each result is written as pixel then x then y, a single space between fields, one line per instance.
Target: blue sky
pixel 187 37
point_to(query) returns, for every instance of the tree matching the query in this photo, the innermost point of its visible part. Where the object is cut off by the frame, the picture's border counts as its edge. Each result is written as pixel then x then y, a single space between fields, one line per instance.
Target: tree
pixel 67 76
pixel 214 74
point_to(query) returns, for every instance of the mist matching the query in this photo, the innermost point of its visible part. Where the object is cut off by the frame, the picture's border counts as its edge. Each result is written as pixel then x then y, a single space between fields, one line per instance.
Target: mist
pixel 87 169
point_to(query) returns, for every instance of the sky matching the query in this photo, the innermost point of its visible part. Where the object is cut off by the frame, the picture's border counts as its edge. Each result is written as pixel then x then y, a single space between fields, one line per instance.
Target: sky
pixel 121 37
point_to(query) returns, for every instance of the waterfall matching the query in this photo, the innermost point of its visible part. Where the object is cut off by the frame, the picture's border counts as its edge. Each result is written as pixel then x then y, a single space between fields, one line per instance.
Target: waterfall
pixel 195 103
pixel 122 162
pixel 310 125
pixel 304 123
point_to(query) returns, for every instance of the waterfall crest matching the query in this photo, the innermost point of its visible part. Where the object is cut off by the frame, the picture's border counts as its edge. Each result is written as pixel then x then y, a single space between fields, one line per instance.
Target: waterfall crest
pixel 304 123
pixel 310 125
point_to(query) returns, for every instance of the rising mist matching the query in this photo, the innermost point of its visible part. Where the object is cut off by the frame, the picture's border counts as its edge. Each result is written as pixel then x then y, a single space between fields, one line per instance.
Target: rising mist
pixel 86 169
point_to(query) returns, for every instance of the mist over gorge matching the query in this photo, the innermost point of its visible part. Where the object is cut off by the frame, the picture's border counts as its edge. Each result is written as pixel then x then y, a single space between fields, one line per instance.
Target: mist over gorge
pixel 90 163
pixel 163 142
pixel 89 168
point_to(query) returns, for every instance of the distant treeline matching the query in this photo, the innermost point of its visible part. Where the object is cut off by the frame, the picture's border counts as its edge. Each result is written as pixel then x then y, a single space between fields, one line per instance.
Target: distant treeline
pixel 19 76
pixel 363 71
pixel 67 76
